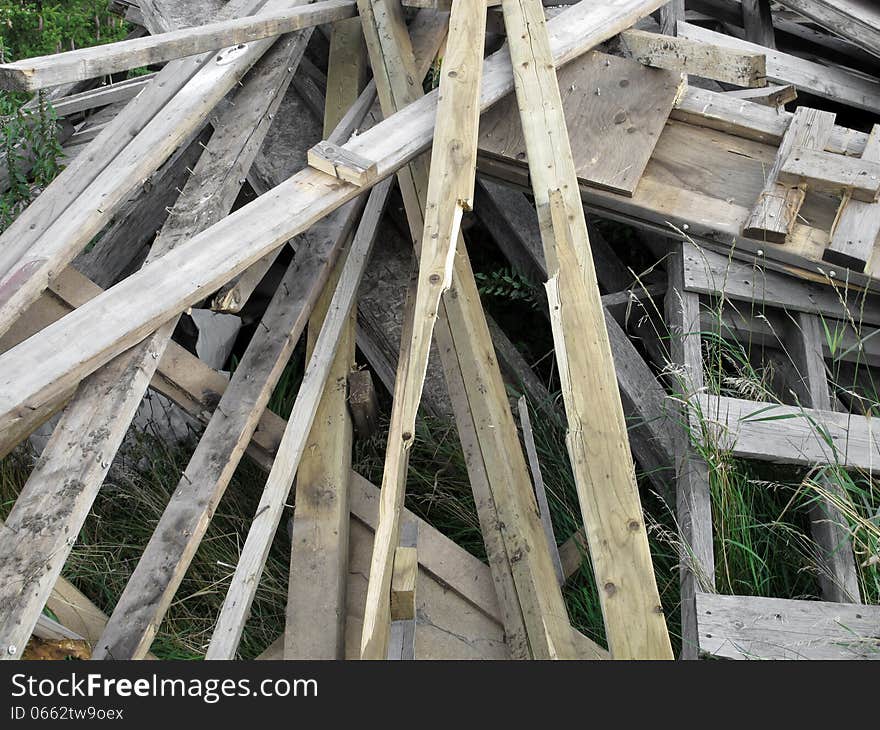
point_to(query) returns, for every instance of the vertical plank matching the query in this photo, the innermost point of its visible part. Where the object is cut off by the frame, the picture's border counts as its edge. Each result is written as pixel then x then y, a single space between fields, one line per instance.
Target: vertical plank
pixel 315 627
pixel 693 495
pixel 450 192
pixel 531 602
pixel 758 22
pixel 838 576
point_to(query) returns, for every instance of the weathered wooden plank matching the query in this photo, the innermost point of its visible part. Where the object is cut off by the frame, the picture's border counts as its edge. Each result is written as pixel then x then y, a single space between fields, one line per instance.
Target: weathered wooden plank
pixel 776 210
pixel 838 575
pixel 697 58
pixel 693 493
pixel 153 583
pixel 449 193
pixel 855 20
pixel 788 434
pixel 243 586
pixel 758 22
pixel 857 226
pixel 85 63
pixel 831 173
pixel 748 627
pixel 319 542
pixel 709 272
pixel 597 440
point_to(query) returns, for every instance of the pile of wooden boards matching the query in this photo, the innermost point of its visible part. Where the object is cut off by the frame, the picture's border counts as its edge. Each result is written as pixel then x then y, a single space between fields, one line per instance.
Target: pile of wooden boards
pixel 251 171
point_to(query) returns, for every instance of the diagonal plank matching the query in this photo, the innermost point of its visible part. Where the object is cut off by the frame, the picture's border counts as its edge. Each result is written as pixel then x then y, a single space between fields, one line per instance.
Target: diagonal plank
pixel 597 441
pixel 450 193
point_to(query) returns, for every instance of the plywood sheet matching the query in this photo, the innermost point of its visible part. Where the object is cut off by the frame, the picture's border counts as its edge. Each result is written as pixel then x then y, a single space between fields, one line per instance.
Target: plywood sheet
pixel 615 108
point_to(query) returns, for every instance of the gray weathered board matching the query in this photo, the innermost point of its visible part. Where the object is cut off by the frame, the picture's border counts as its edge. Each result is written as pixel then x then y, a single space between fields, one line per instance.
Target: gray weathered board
pixel 616 109
pixel 747 627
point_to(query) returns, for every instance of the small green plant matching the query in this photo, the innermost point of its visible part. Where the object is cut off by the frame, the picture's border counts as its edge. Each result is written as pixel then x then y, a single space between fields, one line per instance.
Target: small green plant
pixel 508 284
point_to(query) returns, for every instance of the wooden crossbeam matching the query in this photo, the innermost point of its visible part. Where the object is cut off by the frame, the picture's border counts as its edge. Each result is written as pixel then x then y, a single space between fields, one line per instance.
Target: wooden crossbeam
pixel 233 35
pixel 758 22
pixel 776 210
pixel 788 434
pixel 749 627
pixel 597 440
pixel 826 172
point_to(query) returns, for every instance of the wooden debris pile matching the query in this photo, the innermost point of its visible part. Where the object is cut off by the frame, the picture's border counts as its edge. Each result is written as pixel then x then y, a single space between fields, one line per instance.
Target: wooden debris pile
pixel 250 171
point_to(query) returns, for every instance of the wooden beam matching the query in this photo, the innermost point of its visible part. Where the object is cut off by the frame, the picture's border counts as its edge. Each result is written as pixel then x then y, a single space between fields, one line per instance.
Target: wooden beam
pixel 758 22
pixel 749 627
pixel 319 542
pixel 232 35
pixel 693 492
pixel 788 434
pixel 597 441
pixel 151 588
pixel 670 15
pixel 776 210
pixel 830 173
pixel 449 193
pixel 838 575
pixel 697 58
pixel 243 586
pixel 857 225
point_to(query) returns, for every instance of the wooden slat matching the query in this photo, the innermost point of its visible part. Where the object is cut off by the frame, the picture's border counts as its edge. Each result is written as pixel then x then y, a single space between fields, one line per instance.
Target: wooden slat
pixel 788 434
pixel 693 492
pixel 597 441
pixel 838 575
pixel 758 22
pixel 830 173
pixel 158 574
pixel 697 58
pixel 774 214
pixel 855 20
pixel 747 627
pixel 319 542
pixel 857 226
pixel 85 63
pixel 243 586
